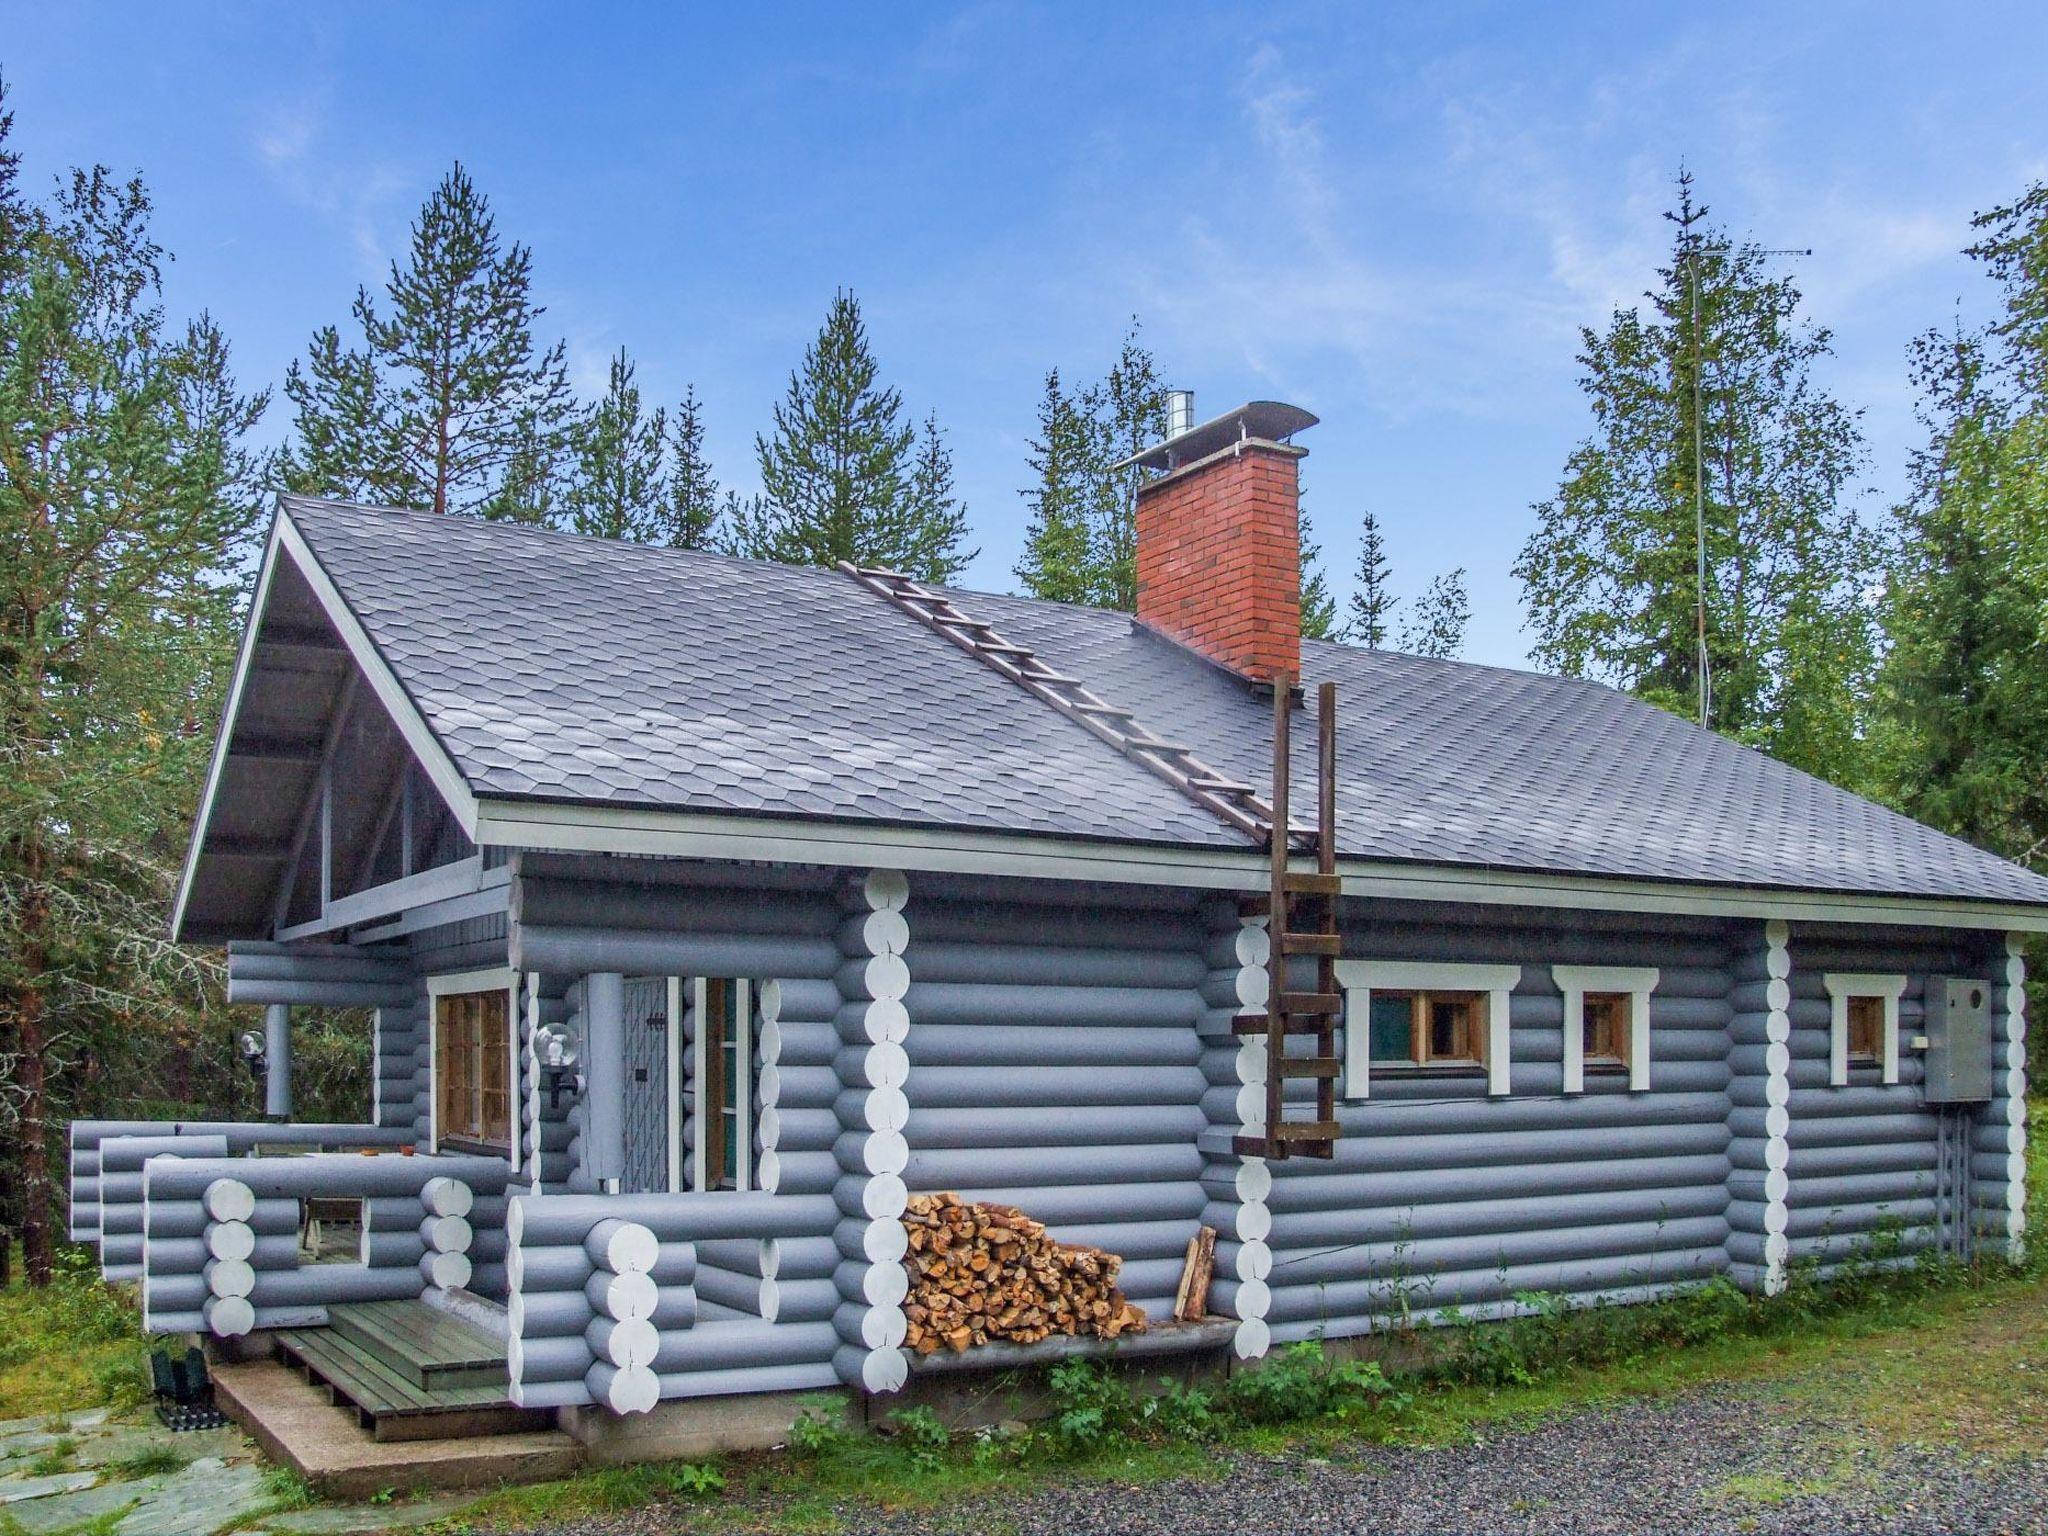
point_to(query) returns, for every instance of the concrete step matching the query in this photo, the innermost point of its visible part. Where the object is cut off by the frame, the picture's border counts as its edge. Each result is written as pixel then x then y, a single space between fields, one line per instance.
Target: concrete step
pixel 296 1424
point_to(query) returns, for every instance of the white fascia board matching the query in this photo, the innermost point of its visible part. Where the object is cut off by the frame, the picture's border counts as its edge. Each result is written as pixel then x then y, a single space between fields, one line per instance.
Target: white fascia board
pixel 418 736
pixel 227 725
pixel 596 828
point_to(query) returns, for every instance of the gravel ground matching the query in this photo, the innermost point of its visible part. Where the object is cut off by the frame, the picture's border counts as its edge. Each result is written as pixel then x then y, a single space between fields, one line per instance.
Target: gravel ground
pixel 1707 1462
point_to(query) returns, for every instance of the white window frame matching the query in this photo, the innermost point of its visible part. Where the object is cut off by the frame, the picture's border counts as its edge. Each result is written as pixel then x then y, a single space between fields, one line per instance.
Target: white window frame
pixel 743 1070
pixel 1361 978
pixel 1843 985
pixel 1575 981
pixel 496 979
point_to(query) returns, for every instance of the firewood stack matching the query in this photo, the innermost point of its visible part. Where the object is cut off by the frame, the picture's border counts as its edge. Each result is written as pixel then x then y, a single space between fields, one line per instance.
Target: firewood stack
pixel 982 1272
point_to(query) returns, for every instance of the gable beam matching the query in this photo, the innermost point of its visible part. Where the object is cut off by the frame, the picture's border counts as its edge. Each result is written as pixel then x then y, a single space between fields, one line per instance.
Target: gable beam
pixel 313 812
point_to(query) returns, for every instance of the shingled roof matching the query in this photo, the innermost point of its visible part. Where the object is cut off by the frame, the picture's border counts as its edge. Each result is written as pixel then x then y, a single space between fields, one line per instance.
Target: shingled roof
pixel 560 668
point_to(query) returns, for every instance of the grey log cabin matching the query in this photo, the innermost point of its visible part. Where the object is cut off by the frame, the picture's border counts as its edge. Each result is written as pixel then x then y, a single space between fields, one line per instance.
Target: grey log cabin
pixel 708 908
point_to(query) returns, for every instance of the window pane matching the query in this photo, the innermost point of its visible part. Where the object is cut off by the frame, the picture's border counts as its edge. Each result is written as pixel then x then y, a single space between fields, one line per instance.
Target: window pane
pixel 1455 1028
pixel 1606 1026
pixel 1392 1031
pixel 1866 1027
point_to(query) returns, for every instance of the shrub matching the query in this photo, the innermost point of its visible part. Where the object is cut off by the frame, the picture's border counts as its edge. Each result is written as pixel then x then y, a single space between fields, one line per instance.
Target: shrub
pixel 921 1434
pixel 820 1429
pixel 1301 1382
pixel 1093 1405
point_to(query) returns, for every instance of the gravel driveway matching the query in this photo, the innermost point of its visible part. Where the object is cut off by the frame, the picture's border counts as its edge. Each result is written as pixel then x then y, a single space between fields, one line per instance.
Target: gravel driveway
pixel 1705 1462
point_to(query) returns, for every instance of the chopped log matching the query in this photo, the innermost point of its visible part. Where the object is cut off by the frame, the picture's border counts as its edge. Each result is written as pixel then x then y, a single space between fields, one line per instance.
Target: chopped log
pixel 1191 1300
pixel 980 1272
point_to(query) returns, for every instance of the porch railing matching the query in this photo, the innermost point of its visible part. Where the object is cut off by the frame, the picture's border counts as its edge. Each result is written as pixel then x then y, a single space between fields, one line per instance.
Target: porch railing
pixel 221 1255
pixel 107 1158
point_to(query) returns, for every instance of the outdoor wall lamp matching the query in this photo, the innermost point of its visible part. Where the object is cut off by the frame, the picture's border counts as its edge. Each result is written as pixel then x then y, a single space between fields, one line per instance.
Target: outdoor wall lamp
pixel 253 1054
pixel 557 1063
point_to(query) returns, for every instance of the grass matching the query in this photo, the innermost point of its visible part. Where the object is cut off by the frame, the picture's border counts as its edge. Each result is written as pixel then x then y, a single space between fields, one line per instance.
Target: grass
pixel 74 1344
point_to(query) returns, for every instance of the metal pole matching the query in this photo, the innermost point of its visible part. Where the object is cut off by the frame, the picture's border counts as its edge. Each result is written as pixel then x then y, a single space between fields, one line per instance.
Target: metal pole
pixel 1699 494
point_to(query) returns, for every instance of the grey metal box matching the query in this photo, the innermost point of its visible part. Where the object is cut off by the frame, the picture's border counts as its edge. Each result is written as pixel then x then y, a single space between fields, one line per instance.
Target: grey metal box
pixel 1958 1027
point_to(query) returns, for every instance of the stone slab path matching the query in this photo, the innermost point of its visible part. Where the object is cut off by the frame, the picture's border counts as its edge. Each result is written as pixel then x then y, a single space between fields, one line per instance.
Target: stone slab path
pixel 129 1476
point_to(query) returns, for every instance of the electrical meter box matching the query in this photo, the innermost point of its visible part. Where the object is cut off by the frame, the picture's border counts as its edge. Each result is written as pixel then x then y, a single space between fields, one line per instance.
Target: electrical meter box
pixel 1958 1026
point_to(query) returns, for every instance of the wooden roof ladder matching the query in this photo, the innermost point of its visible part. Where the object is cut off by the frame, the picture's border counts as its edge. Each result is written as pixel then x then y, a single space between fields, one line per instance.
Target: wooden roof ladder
pixel 1302 919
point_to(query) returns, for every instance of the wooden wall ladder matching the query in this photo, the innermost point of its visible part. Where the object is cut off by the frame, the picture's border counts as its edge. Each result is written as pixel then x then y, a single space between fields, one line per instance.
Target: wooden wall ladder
pixel 1302 910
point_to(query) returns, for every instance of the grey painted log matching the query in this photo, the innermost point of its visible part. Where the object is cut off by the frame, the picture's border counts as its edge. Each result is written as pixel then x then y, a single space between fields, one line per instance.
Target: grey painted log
pixel 799 1377
pixel 1061 1166
pixel 1027 1044
pixel 964 1003
pixel 1349 1307
pixel 320 994
pixel 1007 965
pixel 536 1221
pixel 730 1346
pixel 324 1174
pixel 1514 1178
pixel 670 954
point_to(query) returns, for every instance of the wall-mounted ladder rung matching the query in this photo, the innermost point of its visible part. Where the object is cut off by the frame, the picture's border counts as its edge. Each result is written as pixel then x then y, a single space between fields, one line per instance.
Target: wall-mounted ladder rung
pixel 1253 1025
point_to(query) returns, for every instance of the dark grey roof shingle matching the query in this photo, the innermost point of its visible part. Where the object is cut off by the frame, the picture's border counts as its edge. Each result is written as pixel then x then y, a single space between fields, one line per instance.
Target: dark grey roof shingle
pixel 573 668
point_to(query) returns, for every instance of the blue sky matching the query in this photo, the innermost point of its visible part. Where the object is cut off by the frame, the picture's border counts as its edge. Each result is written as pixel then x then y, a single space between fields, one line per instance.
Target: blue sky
pixel 1396 217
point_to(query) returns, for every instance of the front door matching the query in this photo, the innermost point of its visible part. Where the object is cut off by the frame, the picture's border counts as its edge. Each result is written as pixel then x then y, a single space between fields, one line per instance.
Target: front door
pixel 650 1032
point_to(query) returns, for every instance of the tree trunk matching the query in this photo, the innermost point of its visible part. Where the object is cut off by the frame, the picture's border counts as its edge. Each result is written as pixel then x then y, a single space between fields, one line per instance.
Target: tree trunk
pixel 37 1245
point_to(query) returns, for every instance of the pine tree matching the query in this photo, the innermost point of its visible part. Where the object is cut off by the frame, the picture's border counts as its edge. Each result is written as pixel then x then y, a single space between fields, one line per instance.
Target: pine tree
pixel 1318 607
pixel 839 474
pixel 449 403
pixel 619 489
pixel 1372 605
pixel 129 498
pixel 690 516
pixel 1055 562
pixel 1609 576
pixel 1436 624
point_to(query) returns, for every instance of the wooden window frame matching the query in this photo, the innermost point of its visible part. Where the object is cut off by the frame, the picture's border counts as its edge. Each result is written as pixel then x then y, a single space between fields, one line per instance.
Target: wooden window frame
pixel 712 1072
pixel 1577 983
pixel 1844 987
pixel 500 982
pixel 1360 979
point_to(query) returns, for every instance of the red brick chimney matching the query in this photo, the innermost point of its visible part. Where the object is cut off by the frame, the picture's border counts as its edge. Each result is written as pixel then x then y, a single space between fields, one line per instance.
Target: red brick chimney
pixel 1219 538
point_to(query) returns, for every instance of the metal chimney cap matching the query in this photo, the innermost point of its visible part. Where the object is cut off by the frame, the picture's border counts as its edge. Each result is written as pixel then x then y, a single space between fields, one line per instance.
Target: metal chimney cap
pixel 1267 420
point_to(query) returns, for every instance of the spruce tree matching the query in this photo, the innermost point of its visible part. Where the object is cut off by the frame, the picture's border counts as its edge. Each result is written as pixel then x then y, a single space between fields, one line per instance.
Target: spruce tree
pixel 449 403
pixel 1055 562
pixel 1372 605
pixel 840 473
pixel 1962 733
pixel 1318 607
pixel 1609 576
pixel 690 514
pixel 129 501
pixel 618 489
pixel 1436 623
pixel 1129 413
pixel 935 519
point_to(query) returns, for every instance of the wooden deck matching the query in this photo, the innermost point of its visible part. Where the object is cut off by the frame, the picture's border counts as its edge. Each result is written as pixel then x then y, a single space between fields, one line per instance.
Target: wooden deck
pixel 409 1371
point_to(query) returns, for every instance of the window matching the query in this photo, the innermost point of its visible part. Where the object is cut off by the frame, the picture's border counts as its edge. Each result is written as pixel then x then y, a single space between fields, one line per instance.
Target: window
pixel 1606 1022
pixel 472 1061
pixel 1864 1025
pixel 724 1079
pixel 1407 1015
pixel 1421 1028
pixel 1603 1028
